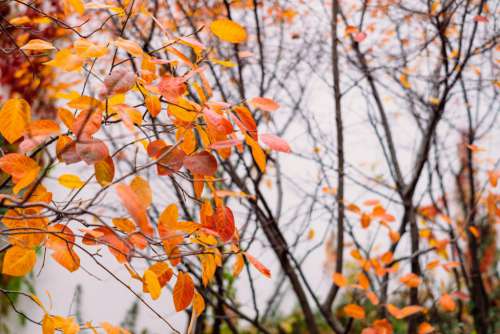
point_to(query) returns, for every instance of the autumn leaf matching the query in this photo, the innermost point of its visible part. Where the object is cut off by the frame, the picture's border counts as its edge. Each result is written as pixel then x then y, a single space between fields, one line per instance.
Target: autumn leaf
pixel 135 207
pixel 67 258
pixel 142 189
pixel 265 104
pixel 202 163
pixel 78 6
pixel 257 153
pixel 339 280
pixel 425 328
pixel 104 171
pixel 224 223
pixel 199 303
pixel 71 181
pixel 152 283
pixel 404 312
pixel 354 311
pixel 92 151
pixel 15 116
pixel 87 49
pixel 228 31
pixel 238 265
pixel 172 88
pixel 258 265
pixel 38 45
pixel 447 303
pixel 118 82
pixel 183 292
pixel 411 280
pixel 18 261
pixel 275 143
pixel 130 46
pixel 22 169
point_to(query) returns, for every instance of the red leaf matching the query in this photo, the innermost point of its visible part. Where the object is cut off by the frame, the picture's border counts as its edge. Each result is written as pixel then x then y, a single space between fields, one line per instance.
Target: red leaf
pixel 183 291
pixel 170 163
pixel 202 163
pixel 172 88
pixel 224 223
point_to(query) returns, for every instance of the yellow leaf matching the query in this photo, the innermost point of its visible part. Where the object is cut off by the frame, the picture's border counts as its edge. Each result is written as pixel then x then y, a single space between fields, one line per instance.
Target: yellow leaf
pixel 70 181
pixel 15 116
pixel 225 63
pixel 354 311
pixel 18 261
pixel 38 44
pixel 228 31
pixel 153 285
pixel 77 5
pixel 142 190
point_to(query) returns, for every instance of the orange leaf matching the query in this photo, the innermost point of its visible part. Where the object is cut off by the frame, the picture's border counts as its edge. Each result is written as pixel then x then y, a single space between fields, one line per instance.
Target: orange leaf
pixel 411 280
pixel 258 265
pixel 339 279
pixel 23 170
pixel 135 207
pixel 354 311
pixel 264 103
pixel 425 328
pixel 15 116
pixel 382 326
pixel 372 297
pixel 183 292
pixel 198 303
pixel 67 258
pixel 447 303
pixel 238 264
pixel 18 261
